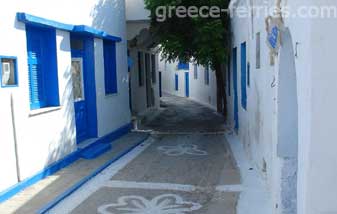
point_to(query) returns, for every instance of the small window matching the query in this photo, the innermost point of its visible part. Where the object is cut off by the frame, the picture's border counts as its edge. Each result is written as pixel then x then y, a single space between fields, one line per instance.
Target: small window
pixel 42 64
pixel 258 50
pixel 77 78
pixel 140 69
pixel 153 68
pixel 8 71
pixel 110 73
pixel 195 71
pixel 207 75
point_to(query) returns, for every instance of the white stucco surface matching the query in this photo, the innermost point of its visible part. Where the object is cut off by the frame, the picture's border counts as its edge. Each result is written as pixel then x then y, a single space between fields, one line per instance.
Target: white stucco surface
pixel 44 137
pixel 198 90
pixel 313 46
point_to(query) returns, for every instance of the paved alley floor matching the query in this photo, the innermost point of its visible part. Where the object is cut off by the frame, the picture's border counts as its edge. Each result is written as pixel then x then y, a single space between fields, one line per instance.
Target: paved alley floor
pixel 185 167
pixel 179 114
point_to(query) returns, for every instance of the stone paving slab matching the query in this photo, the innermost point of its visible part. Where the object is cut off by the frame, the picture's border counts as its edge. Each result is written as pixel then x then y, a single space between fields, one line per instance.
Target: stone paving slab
pixel 179 114
pixel 139 201
pixel 199 160
pixel 38 195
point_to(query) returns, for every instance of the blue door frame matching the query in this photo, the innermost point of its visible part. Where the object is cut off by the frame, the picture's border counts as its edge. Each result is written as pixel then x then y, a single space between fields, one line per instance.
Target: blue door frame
pixel 187 84
pixel 85 110
pixel 235 85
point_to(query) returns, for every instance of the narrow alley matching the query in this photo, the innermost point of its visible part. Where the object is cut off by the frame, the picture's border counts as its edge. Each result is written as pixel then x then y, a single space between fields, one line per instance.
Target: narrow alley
pixel 186 166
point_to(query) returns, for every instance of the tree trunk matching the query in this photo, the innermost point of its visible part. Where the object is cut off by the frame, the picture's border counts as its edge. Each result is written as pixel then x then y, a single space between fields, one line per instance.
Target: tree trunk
pixel 221 95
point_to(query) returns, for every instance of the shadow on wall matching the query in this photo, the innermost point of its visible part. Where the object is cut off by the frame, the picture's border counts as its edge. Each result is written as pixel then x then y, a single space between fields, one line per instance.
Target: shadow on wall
pixel 68 134
pixel 105 13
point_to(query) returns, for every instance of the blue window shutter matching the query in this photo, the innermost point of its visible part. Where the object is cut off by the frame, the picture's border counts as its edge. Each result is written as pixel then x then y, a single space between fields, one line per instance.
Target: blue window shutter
pixel 42 67
pixel 176 82
pixel 110 74
pixel 37 97
pixel 243 76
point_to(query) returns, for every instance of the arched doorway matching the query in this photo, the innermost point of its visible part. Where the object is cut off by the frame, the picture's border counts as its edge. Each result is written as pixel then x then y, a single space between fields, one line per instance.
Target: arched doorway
pixel 287 126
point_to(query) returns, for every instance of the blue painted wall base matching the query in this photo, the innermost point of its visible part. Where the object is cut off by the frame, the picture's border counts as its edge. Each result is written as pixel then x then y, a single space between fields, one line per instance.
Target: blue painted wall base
pixel 53 168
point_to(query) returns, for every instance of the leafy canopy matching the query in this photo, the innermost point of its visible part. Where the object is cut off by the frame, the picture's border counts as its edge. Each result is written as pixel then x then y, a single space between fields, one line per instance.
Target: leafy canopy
pixel 205 40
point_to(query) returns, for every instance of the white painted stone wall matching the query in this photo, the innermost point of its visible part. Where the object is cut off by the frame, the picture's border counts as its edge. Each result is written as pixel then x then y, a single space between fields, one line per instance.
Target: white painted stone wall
pixel 47 137
pixel 169 70
pixel 201 92
pixel 198 90
pixel 315 41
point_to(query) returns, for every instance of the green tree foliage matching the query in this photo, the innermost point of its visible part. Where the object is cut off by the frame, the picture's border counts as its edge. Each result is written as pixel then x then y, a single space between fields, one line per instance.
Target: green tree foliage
pixel 206 41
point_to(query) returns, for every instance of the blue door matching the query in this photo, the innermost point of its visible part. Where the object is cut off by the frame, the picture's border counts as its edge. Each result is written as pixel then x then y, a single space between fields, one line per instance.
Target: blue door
pixel 83 88
pixel 235 85
pixel 187 84
pixel 176 82
pixel 160 85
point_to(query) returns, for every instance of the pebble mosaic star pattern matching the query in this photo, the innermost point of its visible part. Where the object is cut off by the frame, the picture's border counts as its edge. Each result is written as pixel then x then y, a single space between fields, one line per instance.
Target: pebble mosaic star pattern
pixel 182 149
pixel 162 204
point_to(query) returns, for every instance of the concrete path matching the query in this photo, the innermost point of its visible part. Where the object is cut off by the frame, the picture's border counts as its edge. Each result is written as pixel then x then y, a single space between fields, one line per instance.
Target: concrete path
pixel 185 167
pixel 38 195
pixel 183 115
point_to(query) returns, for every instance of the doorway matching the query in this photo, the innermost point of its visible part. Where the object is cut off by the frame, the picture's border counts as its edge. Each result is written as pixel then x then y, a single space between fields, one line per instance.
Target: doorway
pixel 187 84
pixel 84 90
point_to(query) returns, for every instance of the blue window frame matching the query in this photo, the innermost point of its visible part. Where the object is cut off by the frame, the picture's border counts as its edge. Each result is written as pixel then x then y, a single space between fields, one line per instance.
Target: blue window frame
pixel 207 75
pixel 8 71
pixel 243 76
pixel 176 78
pixel 110 70
pixel 42 64
pixel 140 69
pixel 183 66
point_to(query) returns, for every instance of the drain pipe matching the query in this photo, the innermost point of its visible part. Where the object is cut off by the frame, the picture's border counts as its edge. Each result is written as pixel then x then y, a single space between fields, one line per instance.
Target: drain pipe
pixel 15 140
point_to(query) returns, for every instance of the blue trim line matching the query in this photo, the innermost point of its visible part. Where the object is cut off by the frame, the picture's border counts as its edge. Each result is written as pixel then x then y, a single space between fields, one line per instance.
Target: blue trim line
pixel 78 185
pixel 39 176
pixel 66 161
pixel 81 29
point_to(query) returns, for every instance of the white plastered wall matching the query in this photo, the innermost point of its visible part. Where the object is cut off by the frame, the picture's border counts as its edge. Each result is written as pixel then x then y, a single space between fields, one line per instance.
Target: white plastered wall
pixel 47 137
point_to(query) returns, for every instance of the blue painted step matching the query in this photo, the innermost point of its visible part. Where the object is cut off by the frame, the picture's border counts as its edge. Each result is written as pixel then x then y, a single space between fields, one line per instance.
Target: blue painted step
pixel 96 150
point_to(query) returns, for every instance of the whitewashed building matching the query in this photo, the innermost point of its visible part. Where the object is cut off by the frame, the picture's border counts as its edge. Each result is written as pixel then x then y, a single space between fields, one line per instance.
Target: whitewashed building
pixel 188 80
pixel 64 84
pixel 143 59
pixel 285 113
